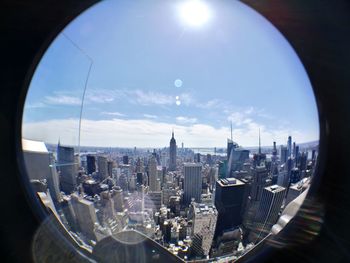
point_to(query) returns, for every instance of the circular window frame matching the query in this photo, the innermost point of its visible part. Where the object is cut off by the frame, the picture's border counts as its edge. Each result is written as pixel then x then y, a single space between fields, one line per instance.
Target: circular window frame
pixel 324 129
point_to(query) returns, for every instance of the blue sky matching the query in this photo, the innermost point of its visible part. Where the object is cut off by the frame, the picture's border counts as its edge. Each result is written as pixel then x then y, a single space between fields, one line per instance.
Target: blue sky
pixel 236 66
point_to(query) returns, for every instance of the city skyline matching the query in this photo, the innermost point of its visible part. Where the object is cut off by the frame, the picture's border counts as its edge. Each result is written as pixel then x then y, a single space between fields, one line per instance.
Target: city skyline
pixel 153 73
pixel 209 206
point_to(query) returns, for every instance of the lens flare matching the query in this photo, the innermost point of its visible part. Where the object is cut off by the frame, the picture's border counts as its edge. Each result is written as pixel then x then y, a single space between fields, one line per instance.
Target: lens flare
pixel 194 13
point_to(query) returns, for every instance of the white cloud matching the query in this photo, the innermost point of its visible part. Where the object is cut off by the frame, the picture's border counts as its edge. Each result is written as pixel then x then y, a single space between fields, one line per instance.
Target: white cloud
pixel 149 133
pixel 114 113
pixel 100 98
pixel 150 98
pixel 62 100
pixel 212 104
pixel 185 120
pixel 186 99
pixel 150 116
pixel 35 105
pixel 237 118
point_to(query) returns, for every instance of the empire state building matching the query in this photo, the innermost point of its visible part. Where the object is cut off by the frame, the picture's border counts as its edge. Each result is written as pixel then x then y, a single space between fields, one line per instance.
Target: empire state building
pixel 172 153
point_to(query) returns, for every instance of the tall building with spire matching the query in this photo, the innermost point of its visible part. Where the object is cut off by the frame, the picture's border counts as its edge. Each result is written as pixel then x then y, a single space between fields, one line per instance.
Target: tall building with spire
pixel 289 146
pixel 259 157
pixel 172 153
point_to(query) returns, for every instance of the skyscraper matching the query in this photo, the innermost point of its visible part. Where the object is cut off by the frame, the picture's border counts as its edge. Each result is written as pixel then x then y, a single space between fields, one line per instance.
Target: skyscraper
pixel 102 167
pixel 229 148
pixel 85 215
pixel 152 174
pixel 283 154
pixel 204 218
pixel 91 164
pixel 259 157
pixel 228 201
pixel 197 158
pixel 289 146
pixel 237 158
pixel 260 175
pixel 274 152
pixel 139 166
pixel 110 165
pixel 125 159
pixel 269 207
pixel 192 182
pixel 296 153
pixel 230 145
pixel 117 195
pixel 67 167
pixel 53 181
pixel 172 153
pixel 40 166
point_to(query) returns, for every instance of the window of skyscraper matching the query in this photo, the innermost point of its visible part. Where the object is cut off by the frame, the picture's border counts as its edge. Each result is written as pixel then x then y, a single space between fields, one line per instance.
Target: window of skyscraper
pixel 188 127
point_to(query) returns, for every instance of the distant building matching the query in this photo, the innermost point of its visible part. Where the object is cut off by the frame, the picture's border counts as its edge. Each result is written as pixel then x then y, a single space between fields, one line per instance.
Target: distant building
pixel 192 182
pixel 222 170
pixel 230 146
pixel 125 159
pixel 102 164
pixel 237 158
pixel 167 231
pixel 209 159
pixel 107 205
pixel 260 176
pixel 110 165
pixel 91 187
pixel 302 161
pixel 152 174
pixel 295 176
pixel 274 152
pixel 229 201
pixel 139 178
pixel 197 158
pixel 289 146
pixel 139 166
pixel 172 153
pixel 283 154
pixel 91 164
pixel 117 196
pixel 153 200
pixel 167 193
pixel 67 168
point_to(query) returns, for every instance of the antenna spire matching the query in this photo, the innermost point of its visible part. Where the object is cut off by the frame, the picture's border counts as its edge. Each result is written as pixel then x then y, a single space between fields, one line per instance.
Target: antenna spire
pixel 231 130
pixel 259 142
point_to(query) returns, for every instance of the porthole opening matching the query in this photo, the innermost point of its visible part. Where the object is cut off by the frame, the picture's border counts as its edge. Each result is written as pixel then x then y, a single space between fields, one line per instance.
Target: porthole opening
pixel 186 130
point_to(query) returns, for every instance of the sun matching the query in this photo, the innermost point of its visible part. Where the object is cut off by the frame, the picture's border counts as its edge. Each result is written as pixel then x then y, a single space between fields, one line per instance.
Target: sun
pixel 194 13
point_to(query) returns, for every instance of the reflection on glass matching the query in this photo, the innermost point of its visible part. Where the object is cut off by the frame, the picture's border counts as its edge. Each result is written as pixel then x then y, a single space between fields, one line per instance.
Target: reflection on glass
pixel 187 126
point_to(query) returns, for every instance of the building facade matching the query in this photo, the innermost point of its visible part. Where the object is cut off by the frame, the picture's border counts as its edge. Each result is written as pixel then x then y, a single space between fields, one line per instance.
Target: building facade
pixel 172 154
pixel 192 182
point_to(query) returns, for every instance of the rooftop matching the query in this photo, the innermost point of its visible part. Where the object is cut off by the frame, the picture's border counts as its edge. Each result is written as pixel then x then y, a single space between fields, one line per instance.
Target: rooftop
pixel 229 182
pixel 192 165
pixel 33 146
pixel 204 208
pixel 275 188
